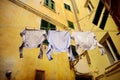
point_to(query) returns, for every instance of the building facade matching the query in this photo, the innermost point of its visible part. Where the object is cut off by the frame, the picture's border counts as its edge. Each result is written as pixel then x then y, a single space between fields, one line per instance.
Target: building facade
pixel 61 15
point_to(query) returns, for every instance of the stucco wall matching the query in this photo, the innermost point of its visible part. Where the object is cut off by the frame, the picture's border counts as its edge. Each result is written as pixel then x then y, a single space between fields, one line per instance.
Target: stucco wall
pixel 13 19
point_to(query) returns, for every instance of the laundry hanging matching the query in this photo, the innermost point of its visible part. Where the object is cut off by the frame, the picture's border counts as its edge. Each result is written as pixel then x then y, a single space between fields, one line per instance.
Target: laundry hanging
pixel 59 41
pixel 87 41
pixel 32 38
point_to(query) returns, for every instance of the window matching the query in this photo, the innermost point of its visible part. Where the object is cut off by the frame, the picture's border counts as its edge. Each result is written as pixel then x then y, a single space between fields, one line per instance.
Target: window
pixel 40 75
pixel 47 26
pixel 104 19
pixel 75 54
pixel 70 24
pixel 67 7
pixel 89 5
pixel 111 50
pixel 98 13
pixel 50 4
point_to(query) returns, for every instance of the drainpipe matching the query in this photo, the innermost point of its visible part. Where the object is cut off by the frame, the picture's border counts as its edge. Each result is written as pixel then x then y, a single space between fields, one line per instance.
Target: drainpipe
pixel 75 9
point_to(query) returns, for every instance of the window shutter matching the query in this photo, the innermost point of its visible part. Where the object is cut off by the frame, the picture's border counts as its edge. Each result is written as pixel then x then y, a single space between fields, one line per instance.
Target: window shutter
pixel 46 2
pixel 104 19
pixel 70 24
pixel 98 13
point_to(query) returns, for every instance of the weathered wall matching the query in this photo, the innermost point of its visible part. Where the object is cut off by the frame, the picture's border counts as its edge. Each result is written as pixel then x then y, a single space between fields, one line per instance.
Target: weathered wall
pixel 98 62
pixel 13 19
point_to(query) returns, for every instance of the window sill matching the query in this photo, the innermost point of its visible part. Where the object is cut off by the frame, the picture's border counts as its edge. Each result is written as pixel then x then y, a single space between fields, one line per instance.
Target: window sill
pixel 68 10
pixel 114 68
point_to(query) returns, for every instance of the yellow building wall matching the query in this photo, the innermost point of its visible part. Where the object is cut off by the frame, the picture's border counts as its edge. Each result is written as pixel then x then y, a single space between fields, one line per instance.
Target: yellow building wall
pixel 98 62
pixel 13 19
pixel 60 14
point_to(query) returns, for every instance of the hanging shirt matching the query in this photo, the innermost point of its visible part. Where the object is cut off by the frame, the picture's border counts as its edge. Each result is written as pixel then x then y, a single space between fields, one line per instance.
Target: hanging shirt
pixel 87 41
pixel 59 41
pixel 32 38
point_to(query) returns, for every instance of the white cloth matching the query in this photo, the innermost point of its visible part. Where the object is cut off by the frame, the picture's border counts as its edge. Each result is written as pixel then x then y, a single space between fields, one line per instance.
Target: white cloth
pixel 32 38
pixel 59 41
pixel 87 41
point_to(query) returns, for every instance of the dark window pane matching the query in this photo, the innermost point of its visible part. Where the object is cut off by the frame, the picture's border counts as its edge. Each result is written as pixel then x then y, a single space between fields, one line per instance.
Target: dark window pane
pixel 74 51
pixel 53 27
pixel 114 48
pixel 70 24
pixel 49 3
pixel 45 42
pixel 46 2
pixel 67 6
pixel 98 13
pixel 47 26
pixel 52 4
pixel 44 24
pixel 89 8
pixel 104 19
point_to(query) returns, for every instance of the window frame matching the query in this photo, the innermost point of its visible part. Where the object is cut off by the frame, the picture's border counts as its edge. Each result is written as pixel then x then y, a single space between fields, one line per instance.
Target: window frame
pixel 67 7
pixel 104 19
pixel 112 52
pixel 46 26
pixel 89 5
pixel 70 24
pixel 50 4
pixel 98 13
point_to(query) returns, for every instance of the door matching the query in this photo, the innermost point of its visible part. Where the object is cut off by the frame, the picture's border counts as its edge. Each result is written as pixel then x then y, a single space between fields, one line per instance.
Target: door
pixel 40 75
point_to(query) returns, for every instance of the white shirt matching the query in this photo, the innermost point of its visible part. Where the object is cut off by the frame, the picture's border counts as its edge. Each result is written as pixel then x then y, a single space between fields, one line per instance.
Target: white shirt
pixel 32 38
pixel 86 41
pixel 59 41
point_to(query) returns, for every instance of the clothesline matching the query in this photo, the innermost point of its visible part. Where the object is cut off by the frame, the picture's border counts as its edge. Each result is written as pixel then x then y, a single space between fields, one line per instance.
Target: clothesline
pixel 46 28
pixel 59 41
pixel 75 30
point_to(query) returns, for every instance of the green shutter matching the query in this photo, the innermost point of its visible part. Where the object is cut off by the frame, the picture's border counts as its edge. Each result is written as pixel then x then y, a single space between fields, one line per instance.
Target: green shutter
pixel 74 51
pixel 46 2
pixel 67 6
pixel 52 4
pixel 70 24
pixel 45 42
pixel 49 3
pixel 44 25
pixel 47 26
